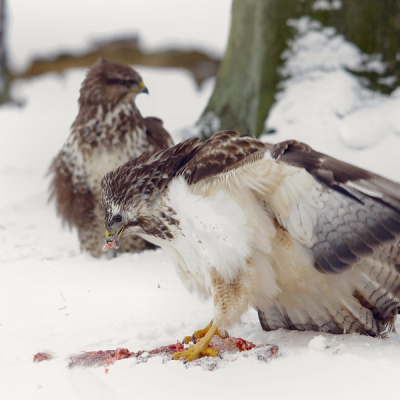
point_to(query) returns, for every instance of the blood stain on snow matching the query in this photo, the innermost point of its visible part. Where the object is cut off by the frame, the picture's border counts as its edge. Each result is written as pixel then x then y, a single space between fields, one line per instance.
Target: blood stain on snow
pixel 230 344
pixel 99 358
pixel 105 358
pixel 39 357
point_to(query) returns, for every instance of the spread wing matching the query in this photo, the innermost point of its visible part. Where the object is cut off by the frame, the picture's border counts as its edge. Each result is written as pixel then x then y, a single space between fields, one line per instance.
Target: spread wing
pixel 350 213
pixel 341 212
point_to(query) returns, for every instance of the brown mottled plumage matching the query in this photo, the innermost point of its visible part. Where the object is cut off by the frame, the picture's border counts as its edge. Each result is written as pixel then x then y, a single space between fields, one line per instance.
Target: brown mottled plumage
pixel 107 132
pixel 309 241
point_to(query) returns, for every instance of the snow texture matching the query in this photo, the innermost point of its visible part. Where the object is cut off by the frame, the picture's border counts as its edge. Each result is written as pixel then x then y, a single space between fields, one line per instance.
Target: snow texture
pixel 335 106
pixel 206 125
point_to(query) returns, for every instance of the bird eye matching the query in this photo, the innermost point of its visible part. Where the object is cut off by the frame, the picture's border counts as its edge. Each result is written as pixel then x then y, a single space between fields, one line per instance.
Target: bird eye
pixel 117 218
pixel 127 82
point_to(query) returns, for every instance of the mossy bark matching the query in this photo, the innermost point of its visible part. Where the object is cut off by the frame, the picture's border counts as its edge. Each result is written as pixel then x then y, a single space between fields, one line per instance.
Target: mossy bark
pixel 4 75
pixel 247 81
pixel 247 77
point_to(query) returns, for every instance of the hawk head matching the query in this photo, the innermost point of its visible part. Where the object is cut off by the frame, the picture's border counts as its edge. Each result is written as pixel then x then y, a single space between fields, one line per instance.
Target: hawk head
pixel 110 80
pixel 132 194
pixel 122 206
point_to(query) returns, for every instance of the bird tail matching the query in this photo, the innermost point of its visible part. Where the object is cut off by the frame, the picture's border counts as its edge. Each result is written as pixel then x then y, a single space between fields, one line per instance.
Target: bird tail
pixel 369 307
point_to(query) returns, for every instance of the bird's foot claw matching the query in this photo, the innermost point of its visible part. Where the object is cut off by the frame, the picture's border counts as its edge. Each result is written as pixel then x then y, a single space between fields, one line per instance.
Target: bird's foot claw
pixel 201 333
pixel 222 334
pixel 194 351
pixel 188 339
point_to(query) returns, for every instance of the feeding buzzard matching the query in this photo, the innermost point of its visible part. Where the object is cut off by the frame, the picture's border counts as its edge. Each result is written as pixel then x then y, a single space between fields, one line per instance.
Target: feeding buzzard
pixel 310 242
pixel 108 131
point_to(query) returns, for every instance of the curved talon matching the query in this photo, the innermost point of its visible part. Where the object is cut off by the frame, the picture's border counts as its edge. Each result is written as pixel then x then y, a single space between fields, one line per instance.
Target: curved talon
pixel 187 339
pixel 203 332
pixel 200 348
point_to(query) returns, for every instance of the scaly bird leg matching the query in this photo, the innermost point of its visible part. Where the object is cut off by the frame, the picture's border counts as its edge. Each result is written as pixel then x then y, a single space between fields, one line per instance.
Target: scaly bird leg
pixel 200 348
pixel 202 332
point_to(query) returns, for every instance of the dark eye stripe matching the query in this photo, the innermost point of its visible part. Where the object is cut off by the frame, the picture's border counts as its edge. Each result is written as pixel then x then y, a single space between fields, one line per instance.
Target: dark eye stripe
pixel 123 82
pixel 128 82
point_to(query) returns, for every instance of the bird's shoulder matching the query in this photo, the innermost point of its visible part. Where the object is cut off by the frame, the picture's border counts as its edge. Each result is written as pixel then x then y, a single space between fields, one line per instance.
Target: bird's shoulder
pixel 156 134
pixel 223 152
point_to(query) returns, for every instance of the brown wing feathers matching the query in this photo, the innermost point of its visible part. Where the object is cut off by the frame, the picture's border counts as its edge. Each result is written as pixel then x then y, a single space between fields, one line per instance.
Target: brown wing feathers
pixel 225 151
pixel 72 203
pixel 156 134
pixel 367 207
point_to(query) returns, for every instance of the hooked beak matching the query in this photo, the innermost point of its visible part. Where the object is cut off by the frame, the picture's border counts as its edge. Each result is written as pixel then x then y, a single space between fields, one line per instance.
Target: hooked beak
pixel 139 89
pixel 143 88
pixel 113 240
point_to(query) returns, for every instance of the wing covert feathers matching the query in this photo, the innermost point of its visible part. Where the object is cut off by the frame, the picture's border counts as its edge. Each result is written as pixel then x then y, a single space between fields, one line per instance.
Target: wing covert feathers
pixel 73 204
pixel 195 161
pixel 224 151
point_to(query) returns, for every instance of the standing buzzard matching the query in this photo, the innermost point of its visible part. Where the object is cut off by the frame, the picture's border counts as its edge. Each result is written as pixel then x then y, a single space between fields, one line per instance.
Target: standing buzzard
pixel 310 242
pixel 108 131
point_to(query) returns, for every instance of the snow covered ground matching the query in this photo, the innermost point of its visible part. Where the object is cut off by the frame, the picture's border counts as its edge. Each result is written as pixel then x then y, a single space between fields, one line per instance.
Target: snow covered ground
pixel 54 299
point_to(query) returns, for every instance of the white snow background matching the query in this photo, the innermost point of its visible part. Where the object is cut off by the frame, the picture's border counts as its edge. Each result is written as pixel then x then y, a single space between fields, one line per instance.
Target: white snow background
pixel 55 299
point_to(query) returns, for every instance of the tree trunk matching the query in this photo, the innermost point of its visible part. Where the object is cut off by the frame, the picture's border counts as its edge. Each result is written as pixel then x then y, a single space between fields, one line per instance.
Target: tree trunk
pixel 248 78
pixel 4 75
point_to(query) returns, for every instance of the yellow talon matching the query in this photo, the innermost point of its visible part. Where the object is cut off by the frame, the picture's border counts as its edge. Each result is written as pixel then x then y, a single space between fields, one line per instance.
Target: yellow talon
pixel 200 348
pixel 192 353
pixel 202 332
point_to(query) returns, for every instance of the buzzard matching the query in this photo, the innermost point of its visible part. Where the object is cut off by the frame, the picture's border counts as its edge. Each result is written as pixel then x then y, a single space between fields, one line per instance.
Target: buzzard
pixel 108 131
pixel 310 242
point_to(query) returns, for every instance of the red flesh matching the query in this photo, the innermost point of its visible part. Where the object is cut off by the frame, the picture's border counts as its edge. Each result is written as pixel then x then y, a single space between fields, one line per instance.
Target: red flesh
pixel 39 357
pixel 112 244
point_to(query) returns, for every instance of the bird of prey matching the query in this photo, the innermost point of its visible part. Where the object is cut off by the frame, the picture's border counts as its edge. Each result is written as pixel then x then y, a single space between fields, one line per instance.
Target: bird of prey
pixel 310 242
pixel 108 131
